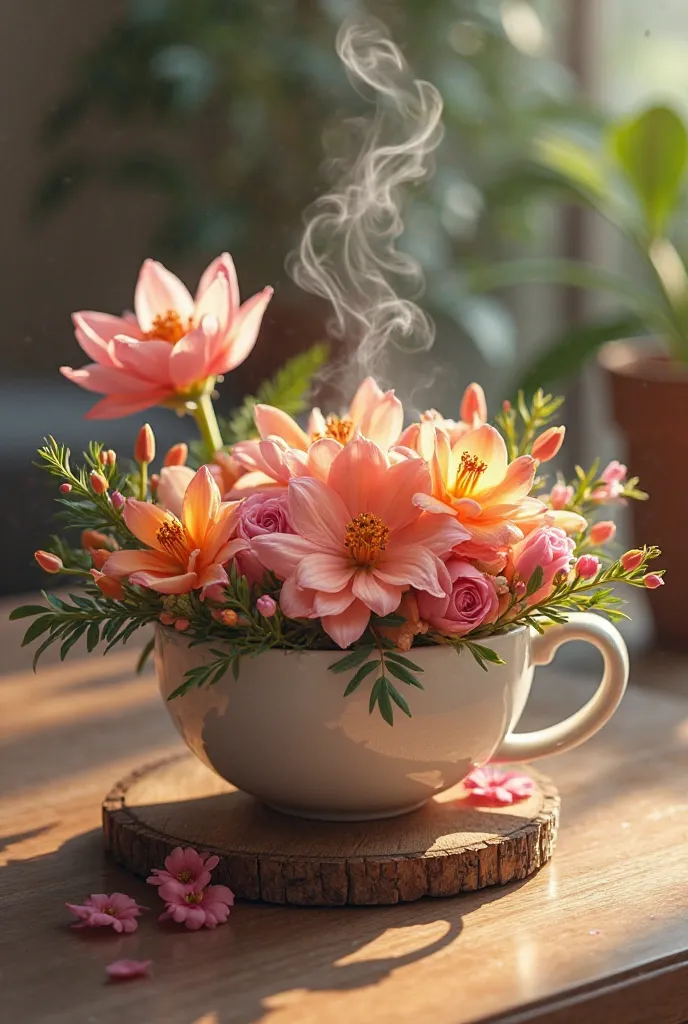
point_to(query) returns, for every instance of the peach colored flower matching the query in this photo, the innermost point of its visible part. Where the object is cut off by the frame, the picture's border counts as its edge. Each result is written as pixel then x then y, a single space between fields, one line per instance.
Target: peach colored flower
pixel 475 481
pixel 122 970
pixel 547 548
pixel 473 413
pixel 491 786
pixel 174 345
pixel 181 554
pixel 101 911
pixel 185 866
pixel 377 415
pixel 198 907
pixel 360 541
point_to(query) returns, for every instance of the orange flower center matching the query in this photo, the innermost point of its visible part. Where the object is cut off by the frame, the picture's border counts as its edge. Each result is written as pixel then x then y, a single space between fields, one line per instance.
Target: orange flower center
pixel 366 539
pixel 338 429
pixel 172 539
pixel 471 468
pixel 168 327
pixel 194 897
pixel 185 876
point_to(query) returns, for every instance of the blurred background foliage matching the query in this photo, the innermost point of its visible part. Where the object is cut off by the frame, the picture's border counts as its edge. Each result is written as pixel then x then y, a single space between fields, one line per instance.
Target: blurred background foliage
pixel 225 103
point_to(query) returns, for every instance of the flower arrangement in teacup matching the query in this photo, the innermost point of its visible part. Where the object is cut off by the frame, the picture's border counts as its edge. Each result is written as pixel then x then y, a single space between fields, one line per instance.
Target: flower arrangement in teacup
pixel 354 533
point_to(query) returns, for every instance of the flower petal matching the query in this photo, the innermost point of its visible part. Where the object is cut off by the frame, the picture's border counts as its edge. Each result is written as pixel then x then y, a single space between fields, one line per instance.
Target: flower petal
pixel 438 533
pixel 144 520
pixel 158 291
pixel 515 484
pixel 106 380
pixel 393 501
pixel 318 514
pixel 281 552
pixel 224 267
pixel 147 360
pixel 357 475
pixel 487 444
pixel 382 598
pixel 120 404
pixel 242 334
pixel 320 571
pixel 346 627
pixel 411 565
pixel 332 604
pixel 214 302
pixel 173 483
pixel 182 584
pixel 94 331
pixel 294 602
pixel 274 422
pixel 201 505
pixel 123 563
pixel 189 359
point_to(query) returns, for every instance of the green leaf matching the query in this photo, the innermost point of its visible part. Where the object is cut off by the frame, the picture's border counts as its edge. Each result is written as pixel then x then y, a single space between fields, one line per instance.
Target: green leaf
pixel 358 678
pixel 37 627
pixel 27 609
pixel 487 654
pixel 92 636
pixel 145 655
pixel 535 581
pixel 569 273
pixel 402 673
pixel 401 660
pixel 652 149
pixel 398 699
pixel 375 693
pixel 565 354
pixel 72 639
pixel 385 704
pixel 578 165
pixel 352 660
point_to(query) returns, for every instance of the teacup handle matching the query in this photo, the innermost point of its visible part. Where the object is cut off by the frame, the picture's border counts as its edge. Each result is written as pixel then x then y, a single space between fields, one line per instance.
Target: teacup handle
pixel 579 727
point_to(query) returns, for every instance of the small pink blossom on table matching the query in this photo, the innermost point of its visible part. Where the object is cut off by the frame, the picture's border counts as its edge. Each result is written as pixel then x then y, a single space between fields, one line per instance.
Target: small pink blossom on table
pixel 196 908
pixel 101 911
pixel 492 786
pixel 185 867
pixel 123 970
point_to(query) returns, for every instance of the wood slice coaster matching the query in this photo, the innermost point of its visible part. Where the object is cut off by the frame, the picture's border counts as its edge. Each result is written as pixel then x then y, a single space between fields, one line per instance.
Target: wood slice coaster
pixel 448 846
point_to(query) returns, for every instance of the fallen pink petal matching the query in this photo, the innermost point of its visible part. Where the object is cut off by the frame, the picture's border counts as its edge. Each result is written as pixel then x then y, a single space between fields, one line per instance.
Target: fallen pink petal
pixel 123 970
pixel 493 787
pixel 116 911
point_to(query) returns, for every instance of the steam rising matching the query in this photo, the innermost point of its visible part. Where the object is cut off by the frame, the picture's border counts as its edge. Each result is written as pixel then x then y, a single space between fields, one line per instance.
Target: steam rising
pixel 348 252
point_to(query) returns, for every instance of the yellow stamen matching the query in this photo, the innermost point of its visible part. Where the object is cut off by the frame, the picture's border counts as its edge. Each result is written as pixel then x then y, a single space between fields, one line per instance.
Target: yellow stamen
pixel 172 538
pixel 338 429
pixel 168 327
pixel 366 539
pixel 470 470
pixel 194 897
pixel 185 876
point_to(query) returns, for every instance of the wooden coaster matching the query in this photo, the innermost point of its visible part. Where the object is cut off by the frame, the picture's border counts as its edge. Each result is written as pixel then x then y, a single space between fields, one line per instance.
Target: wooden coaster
pixel 446 847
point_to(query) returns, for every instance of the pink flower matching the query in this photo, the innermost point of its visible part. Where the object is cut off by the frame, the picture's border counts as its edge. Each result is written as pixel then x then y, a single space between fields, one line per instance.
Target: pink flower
pixel 196 907
pixel 266 605
pixel 473 410
pixel 615 472
pixel 587 566
pixel 547 547
pixel 472 602
pixel 547 445
pixel 180 554
pixel 173 346
pixel 560 496
pixel 602 532
pixel 473 413
pixel 653 581
pixel 122 970
pixel 117 500
pixel 492 787
pixel 260 514
pixel 360 541
pixel 613 478
pixel 186 867
pixel 632 559
pixel 100 911
pixel 65 488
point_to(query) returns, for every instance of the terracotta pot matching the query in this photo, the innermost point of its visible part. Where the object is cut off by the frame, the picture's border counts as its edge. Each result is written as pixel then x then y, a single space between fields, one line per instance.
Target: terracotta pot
pixel 650 399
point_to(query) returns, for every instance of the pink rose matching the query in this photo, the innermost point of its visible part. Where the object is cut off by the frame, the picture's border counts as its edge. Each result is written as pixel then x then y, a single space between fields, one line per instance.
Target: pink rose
pixel 548 547
pixel 260 514
pixel 472 602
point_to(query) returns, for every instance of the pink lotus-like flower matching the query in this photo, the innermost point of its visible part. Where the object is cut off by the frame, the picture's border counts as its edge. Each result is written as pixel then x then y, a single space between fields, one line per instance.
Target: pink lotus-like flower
pixel 491 786
pixel 198 907
pixel 547 548
pixel 186 867
pixel 123 970
pixel 174 345
pixel 360 540
pixel 101 911
pixel 181 554
pixel 472 602
pixel 375 414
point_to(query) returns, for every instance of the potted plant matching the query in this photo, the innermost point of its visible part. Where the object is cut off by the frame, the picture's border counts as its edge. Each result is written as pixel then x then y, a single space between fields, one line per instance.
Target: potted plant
pixel 635 177
pixel 302 584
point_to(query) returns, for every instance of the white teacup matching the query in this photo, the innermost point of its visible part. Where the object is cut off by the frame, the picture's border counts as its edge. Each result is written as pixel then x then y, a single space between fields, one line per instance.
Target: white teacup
pixel 284 732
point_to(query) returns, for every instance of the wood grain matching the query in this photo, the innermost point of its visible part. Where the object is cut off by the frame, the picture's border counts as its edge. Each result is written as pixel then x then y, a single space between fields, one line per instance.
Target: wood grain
pixel 447 847
pixel 522 952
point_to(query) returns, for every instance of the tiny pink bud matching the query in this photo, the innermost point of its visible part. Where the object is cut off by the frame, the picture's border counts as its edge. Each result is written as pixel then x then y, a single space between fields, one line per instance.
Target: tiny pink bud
pixel 506 405
pixel 546 446
pixel 632 559
pixel 118 500
pixel 48 561
pixel 602 532
pixel 177 455
pixel 144 449
pixel 108 457
pixel 614 473
pixel 98 482
pixel 266 606
pixel 473 405
pixel 561 495
pixel 181 624
pixel 587 566
pixel 519 588
pixel 652 581
pixel 65 488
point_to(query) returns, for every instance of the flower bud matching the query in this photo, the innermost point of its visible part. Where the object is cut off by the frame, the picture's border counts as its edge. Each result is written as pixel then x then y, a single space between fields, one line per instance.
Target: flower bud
pixel 560 496
pixel 48 561
pixel 98 482
pixel 144 449
pixel 519 588
pixel 118 500
pixel 506 405
pixel 65 488
pixel 108 585
pixel 99 557
pixel 228 617
pixel 473 405
pixel 587 566
pixel 632 559
pixel 602 532
pixel 652 581
pixel 95 539
pixel 177 455
pixel 181 625
pixel 266 605
pixel 107 457
pixel 546 446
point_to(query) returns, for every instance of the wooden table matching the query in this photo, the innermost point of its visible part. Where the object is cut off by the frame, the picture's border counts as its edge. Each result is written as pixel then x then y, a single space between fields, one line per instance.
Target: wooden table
pixel 599 935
